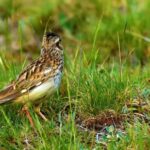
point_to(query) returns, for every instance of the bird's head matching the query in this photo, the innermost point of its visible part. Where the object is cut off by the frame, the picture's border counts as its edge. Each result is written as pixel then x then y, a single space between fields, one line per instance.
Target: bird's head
pixel 50 40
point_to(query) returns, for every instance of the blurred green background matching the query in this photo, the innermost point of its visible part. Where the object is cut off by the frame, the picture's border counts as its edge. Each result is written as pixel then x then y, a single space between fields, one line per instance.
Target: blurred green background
pixel 93 26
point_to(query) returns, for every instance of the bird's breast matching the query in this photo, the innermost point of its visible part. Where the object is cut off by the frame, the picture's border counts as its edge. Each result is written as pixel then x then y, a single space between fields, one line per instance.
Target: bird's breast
pixel 57 79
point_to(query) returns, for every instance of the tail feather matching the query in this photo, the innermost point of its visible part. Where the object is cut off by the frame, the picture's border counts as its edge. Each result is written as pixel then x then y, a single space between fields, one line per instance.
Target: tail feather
pixel 8 94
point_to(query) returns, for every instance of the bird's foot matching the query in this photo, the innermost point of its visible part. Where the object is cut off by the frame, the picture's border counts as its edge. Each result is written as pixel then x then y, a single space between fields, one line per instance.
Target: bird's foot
pixel 38 111
pixel 27 113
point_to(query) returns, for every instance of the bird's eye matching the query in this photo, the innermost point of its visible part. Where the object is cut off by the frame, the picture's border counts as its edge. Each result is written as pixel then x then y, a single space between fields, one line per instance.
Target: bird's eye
pixel 57 40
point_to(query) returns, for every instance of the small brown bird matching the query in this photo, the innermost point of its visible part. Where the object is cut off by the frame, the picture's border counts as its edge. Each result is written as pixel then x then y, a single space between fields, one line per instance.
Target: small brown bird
pixel 38 80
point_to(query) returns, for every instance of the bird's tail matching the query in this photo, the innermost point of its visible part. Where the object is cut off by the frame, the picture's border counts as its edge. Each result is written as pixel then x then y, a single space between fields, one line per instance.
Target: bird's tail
pixel 8 94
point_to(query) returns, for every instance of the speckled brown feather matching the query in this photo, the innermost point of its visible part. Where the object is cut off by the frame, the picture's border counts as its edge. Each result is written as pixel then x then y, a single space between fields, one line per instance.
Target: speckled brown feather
pixel 34 74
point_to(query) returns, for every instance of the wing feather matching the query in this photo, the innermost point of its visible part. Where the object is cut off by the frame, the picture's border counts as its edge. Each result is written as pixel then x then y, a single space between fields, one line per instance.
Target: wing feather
pixel 8 94
pixel 32 76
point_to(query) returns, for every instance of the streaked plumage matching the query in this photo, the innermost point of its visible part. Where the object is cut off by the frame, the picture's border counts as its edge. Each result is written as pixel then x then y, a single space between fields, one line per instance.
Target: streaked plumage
pixel 40 78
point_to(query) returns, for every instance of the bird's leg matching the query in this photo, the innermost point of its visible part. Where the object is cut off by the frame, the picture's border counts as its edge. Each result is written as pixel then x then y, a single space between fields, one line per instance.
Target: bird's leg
pixel 27 113
pixel 38 111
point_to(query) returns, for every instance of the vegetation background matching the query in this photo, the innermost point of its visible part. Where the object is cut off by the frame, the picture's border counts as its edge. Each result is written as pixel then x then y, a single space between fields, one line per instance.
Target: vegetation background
pixel 103 101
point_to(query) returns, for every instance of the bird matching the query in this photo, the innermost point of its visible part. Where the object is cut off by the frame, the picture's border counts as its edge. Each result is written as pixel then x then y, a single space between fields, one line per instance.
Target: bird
pixel 39 79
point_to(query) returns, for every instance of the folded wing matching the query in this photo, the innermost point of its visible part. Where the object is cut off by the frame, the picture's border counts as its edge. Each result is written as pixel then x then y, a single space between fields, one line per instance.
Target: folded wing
pixel 34 75
pixel 8 94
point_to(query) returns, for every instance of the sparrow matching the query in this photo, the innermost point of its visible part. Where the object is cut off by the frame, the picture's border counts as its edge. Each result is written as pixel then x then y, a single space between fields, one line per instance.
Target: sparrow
pixel 39 79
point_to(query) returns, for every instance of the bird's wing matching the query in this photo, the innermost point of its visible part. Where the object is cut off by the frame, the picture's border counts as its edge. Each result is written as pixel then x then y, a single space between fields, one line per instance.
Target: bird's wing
pixel 8 94
pixel 34 75
pixel 38 72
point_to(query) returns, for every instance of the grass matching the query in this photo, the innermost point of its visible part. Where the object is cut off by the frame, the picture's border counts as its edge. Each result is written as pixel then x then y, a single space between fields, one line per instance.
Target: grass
pixel 87 91
pixel 107 65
